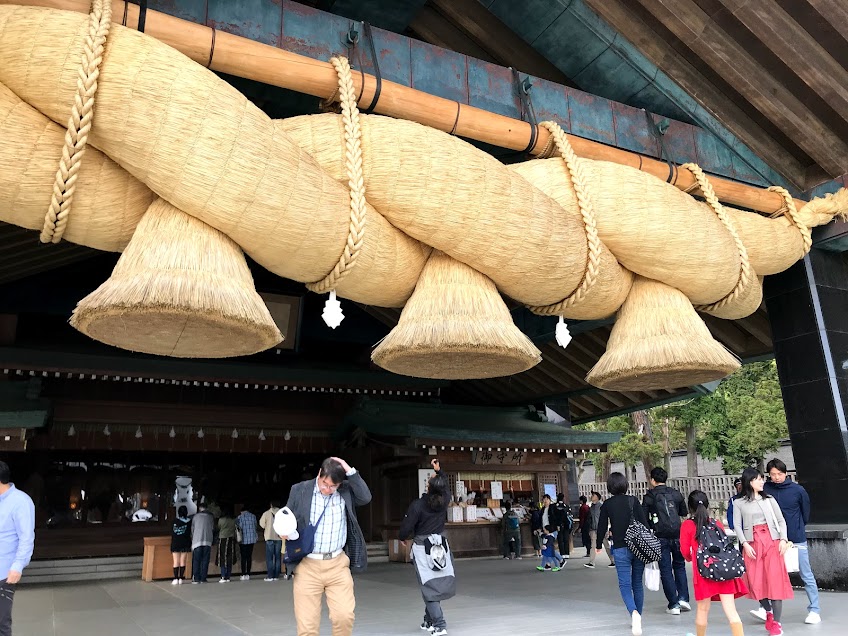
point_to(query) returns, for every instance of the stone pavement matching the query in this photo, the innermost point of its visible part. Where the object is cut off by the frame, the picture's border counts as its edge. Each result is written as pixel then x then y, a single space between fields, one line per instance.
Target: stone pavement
pixel 496 598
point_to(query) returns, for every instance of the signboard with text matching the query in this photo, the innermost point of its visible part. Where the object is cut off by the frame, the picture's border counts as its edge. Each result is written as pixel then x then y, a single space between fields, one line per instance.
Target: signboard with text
pixel 484 457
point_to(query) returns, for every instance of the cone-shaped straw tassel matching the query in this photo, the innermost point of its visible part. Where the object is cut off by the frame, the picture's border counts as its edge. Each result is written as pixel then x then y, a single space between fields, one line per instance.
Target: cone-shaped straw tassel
pixel 659 342
pixel 455 326
pixel 181 289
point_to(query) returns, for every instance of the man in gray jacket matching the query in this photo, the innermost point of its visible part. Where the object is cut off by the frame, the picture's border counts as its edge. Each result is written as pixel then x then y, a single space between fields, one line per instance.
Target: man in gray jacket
pixel 202 534
pixel 328 503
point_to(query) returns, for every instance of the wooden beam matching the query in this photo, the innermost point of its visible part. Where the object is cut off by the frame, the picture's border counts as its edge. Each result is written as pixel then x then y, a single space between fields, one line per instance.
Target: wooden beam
pixel 574 404
pixel 758 326
pixel 550 360
pixel 725 332
pixel 828 20
pixel 432 27
pixel 796 48
pixel 728 58
pixel 501 42
pixel 725 110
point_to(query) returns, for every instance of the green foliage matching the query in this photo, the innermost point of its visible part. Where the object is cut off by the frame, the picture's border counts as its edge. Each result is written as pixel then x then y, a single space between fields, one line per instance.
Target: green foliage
pixel 633 447
pixel 753 421
pixel 740 422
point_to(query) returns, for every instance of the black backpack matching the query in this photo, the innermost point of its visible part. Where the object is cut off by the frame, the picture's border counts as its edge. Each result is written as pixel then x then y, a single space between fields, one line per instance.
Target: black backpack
pixel 667 523
pixel 717 559
pixel 564 518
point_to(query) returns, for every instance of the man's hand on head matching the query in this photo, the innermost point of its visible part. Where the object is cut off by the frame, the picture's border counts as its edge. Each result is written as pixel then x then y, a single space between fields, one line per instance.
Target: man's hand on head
pixel 345 466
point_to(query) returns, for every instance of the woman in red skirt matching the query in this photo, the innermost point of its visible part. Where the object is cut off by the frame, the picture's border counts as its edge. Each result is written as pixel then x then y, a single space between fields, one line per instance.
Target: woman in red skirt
pixel 707 590
pixel 761 529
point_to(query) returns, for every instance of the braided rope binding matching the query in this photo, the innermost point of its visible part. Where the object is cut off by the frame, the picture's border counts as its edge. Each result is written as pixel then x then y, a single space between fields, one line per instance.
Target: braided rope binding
pixel 791 211
pixel 745 276
pixel 587 211
pixel 79 123
pixel 356 180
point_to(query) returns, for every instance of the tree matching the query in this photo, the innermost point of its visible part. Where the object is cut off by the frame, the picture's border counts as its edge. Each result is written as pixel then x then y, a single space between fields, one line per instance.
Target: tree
pixel 743 420
pixel 698 414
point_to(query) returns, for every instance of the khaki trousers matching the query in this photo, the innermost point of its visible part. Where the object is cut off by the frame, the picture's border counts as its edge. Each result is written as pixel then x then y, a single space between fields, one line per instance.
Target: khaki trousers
pixel 593 535
pixel 313 579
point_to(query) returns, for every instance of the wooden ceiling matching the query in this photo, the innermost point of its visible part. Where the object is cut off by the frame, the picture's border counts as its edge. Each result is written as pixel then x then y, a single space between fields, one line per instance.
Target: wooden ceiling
pixel 773 72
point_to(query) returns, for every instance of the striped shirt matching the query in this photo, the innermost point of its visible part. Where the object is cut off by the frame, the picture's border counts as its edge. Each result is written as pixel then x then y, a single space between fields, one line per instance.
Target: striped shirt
pixel 331 533
pixel 246 522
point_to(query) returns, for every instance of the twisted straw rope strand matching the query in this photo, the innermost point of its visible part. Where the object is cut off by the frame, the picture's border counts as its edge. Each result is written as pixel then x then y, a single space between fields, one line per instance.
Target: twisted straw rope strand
pixel 792 212
pixel 79 123
pixel 356 180
pixel 587 211
pixel 745 275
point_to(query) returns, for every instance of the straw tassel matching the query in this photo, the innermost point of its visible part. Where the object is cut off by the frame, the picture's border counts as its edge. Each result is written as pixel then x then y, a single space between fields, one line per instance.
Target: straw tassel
pixel 659 342
pixel 455 326
pixel 181 289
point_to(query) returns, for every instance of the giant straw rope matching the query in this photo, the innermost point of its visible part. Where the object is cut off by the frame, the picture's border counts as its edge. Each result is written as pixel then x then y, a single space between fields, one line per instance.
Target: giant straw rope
pixel 562 235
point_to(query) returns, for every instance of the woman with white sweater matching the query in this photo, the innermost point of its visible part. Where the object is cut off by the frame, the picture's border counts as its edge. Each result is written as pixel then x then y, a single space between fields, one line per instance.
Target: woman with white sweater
pixel 761 529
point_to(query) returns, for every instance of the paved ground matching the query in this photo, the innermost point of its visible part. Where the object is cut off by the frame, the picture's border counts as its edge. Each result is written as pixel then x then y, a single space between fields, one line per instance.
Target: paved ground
pixel 497 598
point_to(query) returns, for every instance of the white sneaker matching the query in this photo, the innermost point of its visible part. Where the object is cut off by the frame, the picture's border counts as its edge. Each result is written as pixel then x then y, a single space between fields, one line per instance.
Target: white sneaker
pixel 180 581
pixel 674 611
pixel 759 613
pixel 439 632
pixel 813 618
pixel 636 624
pixel 175 582
pixel 244 577
pixel 224 580
pixel 267 578
pixel 684 605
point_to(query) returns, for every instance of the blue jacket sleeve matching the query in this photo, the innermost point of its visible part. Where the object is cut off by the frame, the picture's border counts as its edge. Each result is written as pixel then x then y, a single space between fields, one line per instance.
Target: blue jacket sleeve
pixel 730 513
pixel 805 504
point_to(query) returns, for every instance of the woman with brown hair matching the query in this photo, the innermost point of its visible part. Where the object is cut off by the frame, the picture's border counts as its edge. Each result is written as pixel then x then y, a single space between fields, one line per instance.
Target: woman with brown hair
pixel 761 529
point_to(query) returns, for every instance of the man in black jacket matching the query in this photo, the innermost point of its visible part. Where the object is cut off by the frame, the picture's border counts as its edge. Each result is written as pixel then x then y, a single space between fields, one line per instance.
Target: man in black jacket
pixel 328 503
pixel 664 507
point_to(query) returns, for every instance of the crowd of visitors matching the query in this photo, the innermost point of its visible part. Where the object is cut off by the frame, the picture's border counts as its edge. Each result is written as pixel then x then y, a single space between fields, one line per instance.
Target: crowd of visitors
pixel 233 538
pixel 318 532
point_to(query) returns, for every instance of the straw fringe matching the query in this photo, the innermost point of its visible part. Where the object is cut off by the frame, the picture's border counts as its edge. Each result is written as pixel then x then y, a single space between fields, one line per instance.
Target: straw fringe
pixel 821 210
pixel 657 342
pixel 190 277
pixel 455 326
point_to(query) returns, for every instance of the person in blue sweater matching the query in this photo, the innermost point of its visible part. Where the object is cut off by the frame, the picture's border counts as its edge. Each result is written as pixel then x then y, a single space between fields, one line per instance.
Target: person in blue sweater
pixel 794 503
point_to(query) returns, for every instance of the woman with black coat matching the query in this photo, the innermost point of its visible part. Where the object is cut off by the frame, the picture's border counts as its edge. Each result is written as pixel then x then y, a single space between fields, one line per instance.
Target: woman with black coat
pixel 617 512
pixel 425 524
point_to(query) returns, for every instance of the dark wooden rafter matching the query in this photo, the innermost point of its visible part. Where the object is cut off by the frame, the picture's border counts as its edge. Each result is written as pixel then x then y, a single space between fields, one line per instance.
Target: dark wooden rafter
pixel 724 108
pixel 466 26
pixel 797 49
pixel 729 58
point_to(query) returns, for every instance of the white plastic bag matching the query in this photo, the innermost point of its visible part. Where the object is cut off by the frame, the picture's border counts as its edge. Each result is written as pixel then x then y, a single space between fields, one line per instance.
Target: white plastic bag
pixel 652 576
pixel 790 557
